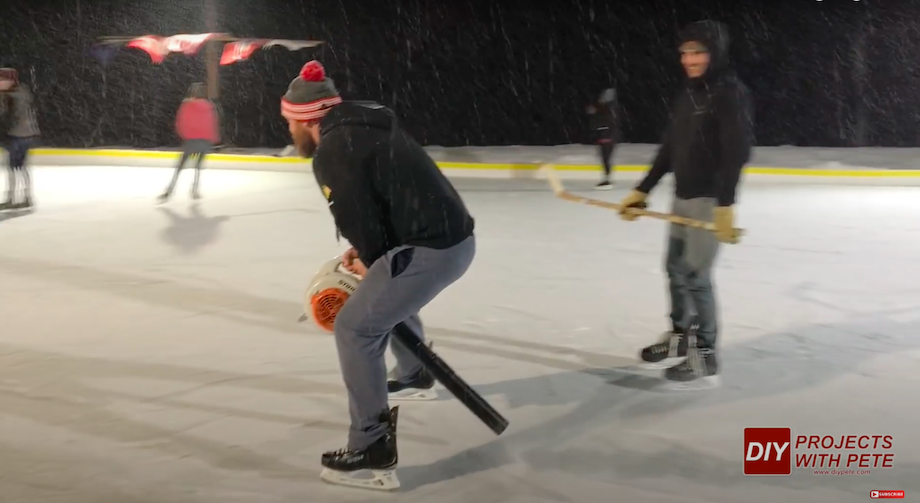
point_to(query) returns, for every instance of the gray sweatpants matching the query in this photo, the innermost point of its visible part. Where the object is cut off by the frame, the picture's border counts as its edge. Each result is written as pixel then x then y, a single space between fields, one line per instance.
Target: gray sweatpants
pixel 690 259
pixel 396 287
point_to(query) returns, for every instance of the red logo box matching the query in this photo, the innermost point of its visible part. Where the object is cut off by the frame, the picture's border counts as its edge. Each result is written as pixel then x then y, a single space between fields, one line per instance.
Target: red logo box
pixel 886 495
pixel 768 451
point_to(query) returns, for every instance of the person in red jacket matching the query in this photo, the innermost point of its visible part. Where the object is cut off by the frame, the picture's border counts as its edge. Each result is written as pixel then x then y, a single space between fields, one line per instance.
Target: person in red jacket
pixel 196 124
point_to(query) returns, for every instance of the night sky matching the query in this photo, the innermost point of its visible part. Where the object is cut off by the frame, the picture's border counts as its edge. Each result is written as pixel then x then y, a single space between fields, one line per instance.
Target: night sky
pixel 469 72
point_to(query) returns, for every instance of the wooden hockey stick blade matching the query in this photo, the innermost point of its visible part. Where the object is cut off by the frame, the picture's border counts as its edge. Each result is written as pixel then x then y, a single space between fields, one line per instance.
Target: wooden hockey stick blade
pixel 641 210
pixel 549 172
pixel 453 382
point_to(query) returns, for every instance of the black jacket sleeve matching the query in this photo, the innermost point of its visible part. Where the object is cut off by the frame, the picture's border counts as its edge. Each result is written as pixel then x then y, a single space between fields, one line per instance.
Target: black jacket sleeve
pixel 355 204
pixel 735 116
pixel 660 166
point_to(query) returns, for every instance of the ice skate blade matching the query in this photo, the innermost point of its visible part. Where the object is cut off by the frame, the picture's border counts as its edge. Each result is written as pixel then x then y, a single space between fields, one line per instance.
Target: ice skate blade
pixel 663 364
pixel 701 384
pixel 603 187
pixel 414 395
pixel 379 480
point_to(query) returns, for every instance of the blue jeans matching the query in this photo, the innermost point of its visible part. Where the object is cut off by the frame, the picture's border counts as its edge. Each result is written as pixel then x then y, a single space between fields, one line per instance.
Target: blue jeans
pixel 18 149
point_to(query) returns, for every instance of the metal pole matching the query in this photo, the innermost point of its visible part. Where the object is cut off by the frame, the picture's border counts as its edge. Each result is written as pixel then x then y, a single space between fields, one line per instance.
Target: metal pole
pixel 212 54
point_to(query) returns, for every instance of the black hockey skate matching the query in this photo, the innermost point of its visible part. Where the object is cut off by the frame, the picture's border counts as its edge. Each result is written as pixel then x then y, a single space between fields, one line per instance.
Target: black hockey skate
pixel 700 371
pixel 344 467
pixel 604 185
pixel 419 387
pixel 25 205
pixel 670 350
pixel 22 206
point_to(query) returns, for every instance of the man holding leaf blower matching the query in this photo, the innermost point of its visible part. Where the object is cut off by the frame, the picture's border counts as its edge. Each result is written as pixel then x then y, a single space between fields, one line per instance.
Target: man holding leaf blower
pixel 706 144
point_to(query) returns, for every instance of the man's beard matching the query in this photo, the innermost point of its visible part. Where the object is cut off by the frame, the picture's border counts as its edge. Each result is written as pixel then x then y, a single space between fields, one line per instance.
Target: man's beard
pixel 306 146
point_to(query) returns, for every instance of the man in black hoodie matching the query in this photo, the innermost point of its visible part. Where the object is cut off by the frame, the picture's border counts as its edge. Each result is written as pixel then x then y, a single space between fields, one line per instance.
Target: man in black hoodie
pixel 411 236
pixel 706 144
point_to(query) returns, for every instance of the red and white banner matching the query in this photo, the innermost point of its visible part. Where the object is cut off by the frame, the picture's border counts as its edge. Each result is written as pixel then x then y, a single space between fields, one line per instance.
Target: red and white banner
pixel 160 47
pixel 240 50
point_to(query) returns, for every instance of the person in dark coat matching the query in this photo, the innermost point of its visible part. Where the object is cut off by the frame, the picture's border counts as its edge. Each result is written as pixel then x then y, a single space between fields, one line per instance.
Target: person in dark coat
pixel 705 146
pixel 604 116
pixel 411 237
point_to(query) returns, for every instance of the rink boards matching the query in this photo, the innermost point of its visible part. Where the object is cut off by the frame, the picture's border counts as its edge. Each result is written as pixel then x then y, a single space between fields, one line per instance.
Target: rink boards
pixel 769 164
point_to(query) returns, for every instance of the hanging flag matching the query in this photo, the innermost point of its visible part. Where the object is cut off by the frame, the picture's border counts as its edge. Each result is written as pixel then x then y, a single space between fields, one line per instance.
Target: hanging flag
pixel 292 45
pixel 242 50
pixel 152 45
pixel 188 44
pixel 159 47
pixel 235 50
pixel 239 51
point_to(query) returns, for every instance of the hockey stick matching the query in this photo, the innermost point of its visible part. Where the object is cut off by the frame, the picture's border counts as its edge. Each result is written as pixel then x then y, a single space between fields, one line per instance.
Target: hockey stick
pixel 641 210
pixel 453 382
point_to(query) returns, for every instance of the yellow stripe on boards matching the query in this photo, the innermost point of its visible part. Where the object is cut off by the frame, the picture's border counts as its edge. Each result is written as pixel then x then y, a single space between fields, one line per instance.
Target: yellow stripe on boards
pixel 257 158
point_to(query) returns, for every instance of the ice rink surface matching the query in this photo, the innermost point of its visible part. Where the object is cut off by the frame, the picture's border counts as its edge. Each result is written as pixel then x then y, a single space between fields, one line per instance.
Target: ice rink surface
pixel 153 355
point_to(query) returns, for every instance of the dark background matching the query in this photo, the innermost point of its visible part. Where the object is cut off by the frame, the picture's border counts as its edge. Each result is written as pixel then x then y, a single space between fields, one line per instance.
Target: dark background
pixel 469 72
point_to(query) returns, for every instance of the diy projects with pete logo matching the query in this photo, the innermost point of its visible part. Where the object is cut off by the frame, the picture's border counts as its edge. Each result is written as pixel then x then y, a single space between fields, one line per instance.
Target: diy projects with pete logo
pixel 769 452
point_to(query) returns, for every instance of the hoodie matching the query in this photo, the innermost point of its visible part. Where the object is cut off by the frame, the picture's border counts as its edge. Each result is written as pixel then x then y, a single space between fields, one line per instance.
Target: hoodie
pixel 382 188
pixel 604 118
pixel 710 134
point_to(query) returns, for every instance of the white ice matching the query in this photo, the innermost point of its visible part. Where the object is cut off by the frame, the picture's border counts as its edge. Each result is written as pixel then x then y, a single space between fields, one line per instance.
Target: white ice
pixel 153 355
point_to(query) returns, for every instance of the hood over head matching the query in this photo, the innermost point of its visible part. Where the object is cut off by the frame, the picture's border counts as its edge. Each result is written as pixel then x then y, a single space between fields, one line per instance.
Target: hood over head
pixel 714 36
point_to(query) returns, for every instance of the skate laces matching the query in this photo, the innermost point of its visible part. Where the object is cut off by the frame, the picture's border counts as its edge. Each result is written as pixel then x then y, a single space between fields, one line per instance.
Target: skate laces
pixel 662 347
pixel 695 361
pixel 667 346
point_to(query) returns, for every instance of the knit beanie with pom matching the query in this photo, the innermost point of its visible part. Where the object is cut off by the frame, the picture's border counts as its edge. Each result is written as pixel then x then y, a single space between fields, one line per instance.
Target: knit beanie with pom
pixel 311 95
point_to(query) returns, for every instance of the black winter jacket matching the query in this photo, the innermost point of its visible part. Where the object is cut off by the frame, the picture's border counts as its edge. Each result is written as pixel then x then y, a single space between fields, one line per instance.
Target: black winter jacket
pixel 382 187
pixel 710 135
pixel 605 121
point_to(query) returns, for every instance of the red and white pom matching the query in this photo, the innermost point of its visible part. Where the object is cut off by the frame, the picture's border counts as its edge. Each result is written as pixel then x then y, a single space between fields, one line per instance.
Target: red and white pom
pixel 313 71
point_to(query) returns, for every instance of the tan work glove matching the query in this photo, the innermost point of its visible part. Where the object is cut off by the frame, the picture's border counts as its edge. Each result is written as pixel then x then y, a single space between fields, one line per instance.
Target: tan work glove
pixel 724 220
pixel 634 198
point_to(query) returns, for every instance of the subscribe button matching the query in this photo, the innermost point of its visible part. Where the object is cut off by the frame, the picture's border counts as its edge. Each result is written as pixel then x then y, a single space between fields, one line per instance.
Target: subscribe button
pixel 886 495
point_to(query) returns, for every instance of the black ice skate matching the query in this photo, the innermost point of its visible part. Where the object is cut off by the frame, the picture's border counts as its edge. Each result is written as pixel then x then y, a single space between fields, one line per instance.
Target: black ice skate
pixel 162 198
pixel 25 205
pixel 419 387
pixel 700 371
pixel 604 185
pixel 671 349
pixel 349 467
